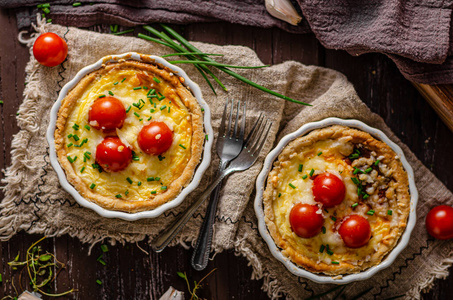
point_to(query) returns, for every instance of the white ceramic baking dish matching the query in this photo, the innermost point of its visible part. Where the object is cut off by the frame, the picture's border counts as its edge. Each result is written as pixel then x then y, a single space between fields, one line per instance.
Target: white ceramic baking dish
pixel 205 161
pixel 260 186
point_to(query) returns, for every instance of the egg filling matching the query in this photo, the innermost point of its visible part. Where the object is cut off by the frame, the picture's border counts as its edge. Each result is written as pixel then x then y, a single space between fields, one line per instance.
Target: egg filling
pixel 376 188
pixel 149 94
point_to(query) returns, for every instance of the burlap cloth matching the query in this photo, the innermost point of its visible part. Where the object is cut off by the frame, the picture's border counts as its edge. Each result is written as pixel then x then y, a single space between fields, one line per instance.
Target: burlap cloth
pixel 36 203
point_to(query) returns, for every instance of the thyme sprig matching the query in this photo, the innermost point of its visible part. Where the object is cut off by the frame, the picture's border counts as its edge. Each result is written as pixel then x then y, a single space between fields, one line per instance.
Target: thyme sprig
pixel 40 265
pixel 197 285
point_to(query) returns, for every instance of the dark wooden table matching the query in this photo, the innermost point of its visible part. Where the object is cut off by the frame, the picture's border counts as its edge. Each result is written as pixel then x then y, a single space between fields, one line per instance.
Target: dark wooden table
pixel 130 273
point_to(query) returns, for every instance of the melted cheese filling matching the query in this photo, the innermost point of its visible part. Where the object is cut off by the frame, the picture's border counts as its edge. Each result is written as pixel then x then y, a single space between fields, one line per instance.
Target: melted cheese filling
pixel 285 197
pixel 149 174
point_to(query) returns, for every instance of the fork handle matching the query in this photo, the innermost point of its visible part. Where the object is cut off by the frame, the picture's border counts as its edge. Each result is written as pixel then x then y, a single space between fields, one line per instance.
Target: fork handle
pixel 202 248
pixel 165 237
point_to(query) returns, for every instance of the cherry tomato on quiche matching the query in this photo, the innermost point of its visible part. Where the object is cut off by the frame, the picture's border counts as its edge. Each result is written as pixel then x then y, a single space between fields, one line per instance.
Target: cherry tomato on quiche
pixel 305 221
pixel 112 155
pixel 439 222
pixel 328 189
pixel 50 50
pixel 155 138
pixel 355 231
pixel 107 114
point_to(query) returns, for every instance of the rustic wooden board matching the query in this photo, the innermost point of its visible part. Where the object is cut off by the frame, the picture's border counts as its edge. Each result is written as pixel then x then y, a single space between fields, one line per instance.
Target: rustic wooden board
pixel 132 274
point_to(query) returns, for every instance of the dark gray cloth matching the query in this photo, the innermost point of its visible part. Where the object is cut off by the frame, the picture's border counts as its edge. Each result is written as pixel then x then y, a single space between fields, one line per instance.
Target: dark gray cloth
pixel 415 34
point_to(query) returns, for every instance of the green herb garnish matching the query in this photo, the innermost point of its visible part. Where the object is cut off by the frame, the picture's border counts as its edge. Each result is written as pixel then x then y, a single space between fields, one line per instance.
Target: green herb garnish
pixel 292 185
pixel 300 167
pixel 129 180
pixel 370 212
pixel 92 186
pixel 312 172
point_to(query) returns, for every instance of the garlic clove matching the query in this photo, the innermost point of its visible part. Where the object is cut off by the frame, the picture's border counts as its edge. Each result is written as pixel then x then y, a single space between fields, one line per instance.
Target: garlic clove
pixel 283 10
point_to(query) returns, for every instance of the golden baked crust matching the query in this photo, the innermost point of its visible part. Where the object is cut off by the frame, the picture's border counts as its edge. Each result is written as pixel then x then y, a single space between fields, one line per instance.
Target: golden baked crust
pixel 387 187
pixel 112 191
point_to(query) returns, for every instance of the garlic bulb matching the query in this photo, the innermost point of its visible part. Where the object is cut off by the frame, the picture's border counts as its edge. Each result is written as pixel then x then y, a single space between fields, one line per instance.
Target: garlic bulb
pixel 283 10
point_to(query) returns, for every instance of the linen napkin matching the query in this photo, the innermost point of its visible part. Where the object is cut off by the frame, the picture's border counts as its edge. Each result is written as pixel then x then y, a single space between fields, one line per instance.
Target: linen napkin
pixel 36 203
pixel 415 34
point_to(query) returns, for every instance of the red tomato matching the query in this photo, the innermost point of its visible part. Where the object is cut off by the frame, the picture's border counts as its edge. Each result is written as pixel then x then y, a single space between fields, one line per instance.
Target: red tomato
pixel 112 155
pixel 328 189
pixel 439 222
pixel 355 231
pixel 304 220
pixel 155 138
pixel 107 114
pixel 50 50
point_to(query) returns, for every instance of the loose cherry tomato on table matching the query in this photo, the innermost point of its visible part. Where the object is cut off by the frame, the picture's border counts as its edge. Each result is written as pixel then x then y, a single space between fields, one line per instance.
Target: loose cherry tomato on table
pixel 112 155
pixel 355 231
pixel 107 114
pixel 50 50
pixel 328 189
pixel 155 138
pixel 439 222
pixel 305 221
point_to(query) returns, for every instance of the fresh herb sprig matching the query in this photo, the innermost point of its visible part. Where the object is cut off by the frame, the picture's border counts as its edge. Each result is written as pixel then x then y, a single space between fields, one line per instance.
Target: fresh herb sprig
pixel 197 285
pixel 200 59
pixel 40 265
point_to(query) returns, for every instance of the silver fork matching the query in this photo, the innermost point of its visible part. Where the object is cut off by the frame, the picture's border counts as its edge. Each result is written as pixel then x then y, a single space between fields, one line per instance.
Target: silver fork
pixel 229 145
pixel 242 162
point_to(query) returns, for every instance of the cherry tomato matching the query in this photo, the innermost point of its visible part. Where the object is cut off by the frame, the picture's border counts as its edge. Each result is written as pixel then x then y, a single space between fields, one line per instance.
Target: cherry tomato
pixel 107 114
pixel 50 50
pixel 155 138
pixel 439 222
pixel 328 189
pixel 304 220
pixel 112 155
pixel 355 231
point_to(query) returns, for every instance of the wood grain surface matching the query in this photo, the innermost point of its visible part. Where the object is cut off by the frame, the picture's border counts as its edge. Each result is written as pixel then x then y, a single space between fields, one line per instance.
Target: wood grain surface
pixel 132 274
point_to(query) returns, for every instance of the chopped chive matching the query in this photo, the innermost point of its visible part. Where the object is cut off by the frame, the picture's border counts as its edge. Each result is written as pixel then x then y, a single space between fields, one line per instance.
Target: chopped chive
pixel 163 107
pixel 305 176
pixel 123 79
pixel 169 109
pixel 137 88
pixel 126 192
pixel 86 155
pixel 355 180
pixel 83 169
pixel 321 249
pixel 116 83
pixel 152 110
pixel 279 195
pixel 101 96
pixel 335 263
pixel 84 159
pixel 75 127
pixel 150 179
pixel 157 178
pixel 365 196
pixel 319 153
pixel 202 109
pixel 312 172
pixel 118 196
pixel 128 109
pixel 333 218
pixel 149 118
pixel 377 162
pixel 182 146
pixel 139 183
pixel 370 212
pixel 97 280
pixel 323 229
pixel 145 87
pixel 76 4
pixel 45 5
pixel 354 205
pixel 163 187
pixel 162 97
pixel 102 262
pixel 161 158
pixel 1 278
pixel 129 180
pixel 49 20
pixel 87 127
pixel 153 192
pixel 69 145
pixel 369 170
pixel 92 186
pixel 46 10
pixel 330 252
pixel 141 119
pixel 136 114
pixel 292 185
pixel 389 212
pixel 70 159
pixel 206 136
pixel 110 93
pixel 300 167
pixel 156 80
